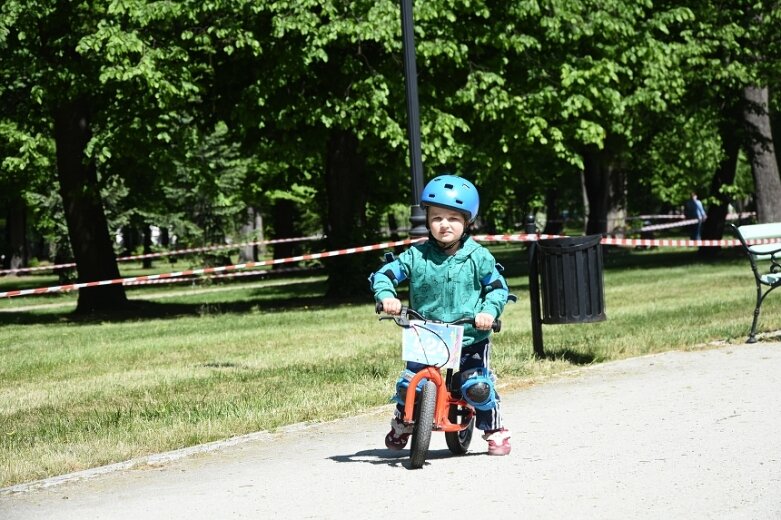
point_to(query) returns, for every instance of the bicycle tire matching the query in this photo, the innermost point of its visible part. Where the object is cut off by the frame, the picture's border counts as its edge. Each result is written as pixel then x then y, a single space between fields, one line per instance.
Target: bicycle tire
pixel 458 442
pixel 424 424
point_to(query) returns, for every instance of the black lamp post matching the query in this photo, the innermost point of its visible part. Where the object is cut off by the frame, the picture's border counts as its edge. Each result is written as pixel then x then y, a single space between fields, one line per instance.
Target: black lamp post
pixel 417 214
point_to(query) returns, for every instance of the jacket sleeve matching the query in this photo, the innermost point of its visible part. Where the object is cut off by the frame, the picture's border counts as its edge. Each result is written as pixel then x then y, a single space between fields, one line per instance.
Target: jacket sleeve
pixel 495 289
pixel 384 281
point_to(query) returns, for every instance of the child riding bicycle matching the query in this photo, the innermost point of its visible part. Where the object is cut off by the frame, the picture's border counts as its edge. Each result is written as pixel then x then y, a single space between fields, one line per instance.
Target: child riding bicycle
pixel 452 276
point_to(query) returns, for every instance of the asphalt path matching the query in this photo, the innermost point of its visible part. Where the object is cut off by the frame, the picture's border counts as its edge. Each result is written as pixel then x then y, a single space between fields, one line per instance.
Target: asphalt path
pixel 676 435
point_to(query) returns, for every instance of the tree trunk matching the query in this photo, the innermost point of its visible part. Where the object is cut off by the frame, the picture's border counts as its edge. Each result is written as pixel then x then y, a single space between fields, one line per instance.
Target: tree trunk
pixel 146 263
pixel 87 226
pixel 393 227
pixel 284 215
pixel 775 128
pixel 259 251
pixel 761 152
pixel 62 254
pixel 713 227
pixel 616 211
pixel 597 173
pixel 250 232
pixel 17 234
pixel 554 223
pixel 346 197
pixel 165 243
pixel 130 238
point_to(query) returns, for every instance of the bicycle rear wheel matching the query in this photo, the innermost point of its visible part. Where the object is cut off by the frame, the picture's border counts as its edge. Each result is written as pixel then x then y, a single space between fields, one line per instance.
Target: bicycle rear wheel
pixel 458 442
pixel 424 423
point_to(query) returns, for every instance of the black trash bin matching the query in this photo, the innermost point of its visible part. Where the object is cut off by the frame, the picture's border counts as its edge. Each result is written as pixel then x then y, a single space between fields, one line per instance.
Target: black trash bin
pixel 572 276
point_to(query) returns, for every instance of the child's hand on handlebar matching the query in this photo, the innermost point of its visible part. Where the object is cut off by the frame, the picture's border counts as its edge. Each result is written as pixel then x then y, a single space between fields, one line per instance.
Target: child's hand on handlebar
pixel 483 321
pixel 391 306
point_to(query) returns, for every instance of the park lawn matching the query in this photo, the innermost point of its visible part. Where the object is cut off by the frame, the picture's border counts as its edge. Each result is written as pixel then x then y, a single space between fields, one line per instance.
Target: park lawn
pixel 196 364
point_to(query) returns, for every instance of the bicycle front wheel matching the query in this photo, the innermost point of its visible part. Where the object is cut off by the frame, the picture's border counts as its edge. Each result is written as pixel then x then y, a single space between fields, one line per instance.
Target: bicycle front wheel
pixel 424 423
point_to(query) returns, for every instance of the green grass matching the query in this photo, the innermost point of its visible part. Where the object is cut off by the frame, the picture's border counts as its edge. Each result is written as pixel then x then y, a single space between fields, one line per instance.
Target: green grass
pixel 196 364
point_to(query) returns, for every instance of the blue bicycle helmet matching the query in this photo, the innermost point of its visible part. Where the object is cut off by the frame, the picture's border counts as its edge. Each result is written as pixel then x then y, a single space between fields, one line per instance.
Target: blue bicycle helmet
pixel 452 192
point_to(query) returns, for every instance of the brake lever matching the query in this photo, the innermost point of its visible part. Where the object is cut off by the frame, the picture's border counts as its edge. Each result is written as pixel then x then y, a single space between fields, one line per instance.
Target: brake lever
pixel 402 320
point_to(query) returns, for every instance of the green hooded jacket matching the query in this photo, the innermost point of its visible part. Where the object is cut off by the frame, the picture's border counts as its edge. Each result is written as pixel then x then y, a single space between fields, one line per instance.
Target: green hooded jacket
pixel 446 287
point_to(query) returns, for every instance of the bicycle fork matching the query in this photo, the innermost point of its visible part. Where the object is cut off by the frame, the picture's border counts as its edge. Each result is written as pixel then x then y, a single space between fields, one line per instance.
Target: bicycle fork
pixel 443 402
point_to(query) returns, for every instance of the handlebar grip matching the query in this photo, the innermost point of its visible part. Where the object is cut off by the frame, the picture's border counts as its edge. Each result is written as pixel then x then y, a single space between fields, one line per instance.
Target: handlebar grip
pixel 496 326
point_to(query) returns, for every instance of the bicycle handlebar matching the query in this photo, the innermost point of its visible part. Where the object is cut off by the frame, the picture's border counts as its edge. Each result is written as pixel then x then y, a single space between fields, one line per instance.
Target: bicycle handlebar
pixel 406 314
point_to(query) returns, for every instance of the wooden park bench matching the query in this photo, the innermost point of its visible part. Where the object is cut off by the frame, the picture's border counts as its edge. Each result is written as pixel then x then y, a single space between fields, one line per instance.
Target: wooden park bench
pixel 765 258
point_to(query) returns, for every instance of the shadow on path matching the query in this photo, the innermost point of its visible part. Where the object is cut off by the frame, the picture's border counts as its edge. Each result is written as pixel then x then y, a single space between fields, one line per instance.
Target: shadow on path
pixel 386 457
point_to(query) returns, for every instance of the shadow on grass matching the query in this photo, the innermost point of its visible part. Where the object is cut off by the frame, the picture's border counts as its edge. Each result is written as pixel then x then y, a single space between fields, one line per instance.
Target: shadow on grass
pixel 624 258
pixel 570 356
pixel 136 310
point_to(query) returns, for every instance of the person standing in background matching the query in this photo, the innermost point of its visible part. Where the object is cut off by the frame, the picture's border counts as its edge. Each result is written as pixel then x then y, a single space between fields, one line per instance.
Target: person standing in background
pixel 695 210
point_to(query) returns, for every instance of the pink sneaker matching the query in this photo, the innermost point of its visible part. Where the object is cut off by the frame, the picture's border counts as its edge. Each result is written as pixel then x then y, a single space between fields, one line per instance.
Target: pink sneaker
pixel 498 441
pixel 399 435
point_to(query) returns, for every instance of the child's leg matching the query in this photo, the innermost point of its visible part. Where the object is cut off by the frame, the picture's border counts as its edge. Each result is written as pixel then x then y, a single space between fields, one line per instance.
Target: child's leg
pixel 397 437
pixel 490 421
pixel 478 356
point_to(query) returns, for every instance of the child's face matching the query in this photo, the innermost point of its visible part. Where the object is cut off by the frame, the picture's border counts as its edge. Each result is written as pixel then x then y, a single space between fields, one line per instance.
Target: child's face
pixel 446 225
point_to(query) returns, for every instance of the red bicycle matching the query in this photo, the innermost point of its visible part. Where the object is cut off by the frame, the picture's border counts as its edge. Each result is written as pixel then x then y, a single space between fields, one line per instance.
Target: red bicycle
pixel 438 404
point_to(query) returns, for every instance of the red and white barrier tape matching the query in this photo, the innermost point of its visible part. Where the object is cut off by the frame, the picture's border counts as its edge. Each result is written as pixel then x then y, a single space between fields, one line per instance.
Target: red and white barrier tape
pixel 663 242
pixel 510 238
pixel 237 274
pixel 517 237
pixel 671 225
pixel 687 222
pixel 226 246
pixel 657 217
pixel 632 242
pixel 174 252
pixel 629 242
pixel 205 270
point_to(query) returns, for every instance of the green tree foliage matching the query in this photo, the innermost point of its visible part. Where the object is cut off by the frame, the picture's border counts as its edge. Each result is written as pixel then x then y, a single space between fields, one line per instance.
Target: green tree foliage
pixel 115 86
pixel 186 114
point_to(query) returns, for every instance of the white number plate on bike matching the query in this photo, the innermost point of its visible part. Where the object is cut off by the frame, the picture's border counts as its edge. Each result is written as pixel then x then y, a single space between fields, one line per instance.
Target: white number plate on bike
pixel 433 344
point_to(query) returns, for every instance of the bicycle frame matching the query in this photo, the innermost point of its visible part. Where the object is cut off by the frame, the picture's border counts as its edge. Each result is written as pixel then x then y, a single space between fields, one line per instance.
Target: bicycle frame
pixel 444 401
